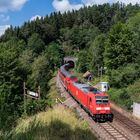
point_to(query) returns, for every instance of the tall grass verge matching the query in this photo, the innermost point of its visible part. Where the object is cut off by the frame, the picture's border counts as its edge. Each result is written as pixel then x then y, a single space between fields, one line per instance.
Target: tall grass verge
pixel 56 124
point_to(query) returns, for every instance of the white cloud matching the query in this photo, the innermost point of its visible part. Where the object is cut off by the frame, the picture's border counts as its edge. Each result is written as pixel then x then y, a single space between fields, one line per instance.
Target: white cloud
pixel 128 1
pixel 4 18
pixel 91 2
pixel 35 17
pixel 13 5
pixel 65 5
pixel 3 28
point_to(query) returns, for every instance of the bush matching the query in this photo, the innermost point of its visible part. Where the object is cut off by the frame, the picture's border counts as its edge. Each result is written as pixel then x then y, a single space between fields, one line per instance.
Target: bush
pixel 134 91
pixel 124 76
pixel 121 97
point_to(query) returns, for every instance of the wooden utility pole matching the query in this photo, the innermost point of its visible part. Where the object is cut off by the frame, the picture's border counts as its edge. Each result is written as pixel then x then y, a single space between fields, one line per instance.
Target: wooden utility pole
pixel 98 70
pixel 24 93
pixel 38 92
pixel 101 73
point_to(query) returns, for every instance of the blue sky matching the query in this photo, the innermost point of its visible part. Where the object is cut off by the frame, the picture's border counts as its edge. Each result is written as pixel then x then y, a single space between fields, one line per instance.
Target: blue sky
pixel 29 10
pixel 16 12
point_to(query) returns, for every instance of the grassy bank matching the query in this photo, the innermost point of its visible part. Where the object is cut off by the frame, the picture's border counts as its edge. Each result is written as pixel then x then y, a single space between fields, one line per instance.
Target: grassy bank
pixel 55 124
pixel 53 92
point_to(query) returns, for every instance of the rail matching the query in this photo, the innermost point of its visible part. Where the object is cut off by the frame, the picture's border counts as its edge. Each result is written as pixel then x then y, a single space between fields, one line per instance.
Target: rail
pixel 113 131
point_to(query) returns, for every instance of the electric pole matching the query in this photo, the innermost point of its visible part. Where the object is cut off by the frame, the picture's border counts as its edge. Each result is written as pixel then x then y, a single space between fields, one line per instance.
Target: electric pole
pixel 24 93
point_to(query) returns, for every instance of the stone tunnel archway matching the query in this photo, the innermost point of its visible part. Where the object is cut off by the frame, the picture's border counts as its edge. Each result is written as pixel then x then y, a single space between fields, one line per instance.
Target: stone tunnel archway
pixel 71 60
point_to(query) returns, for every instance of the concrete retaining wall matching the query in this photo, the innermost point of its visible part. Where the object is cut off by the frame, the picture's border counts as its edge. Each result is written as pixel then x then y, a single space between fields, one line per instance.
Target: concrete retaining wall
pixel 136 110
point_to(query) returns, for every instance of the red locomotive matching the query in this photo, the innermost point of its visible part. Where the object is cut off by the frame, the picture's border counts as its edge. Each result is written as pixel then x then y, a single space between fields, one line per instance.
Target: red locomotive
pixel 95 102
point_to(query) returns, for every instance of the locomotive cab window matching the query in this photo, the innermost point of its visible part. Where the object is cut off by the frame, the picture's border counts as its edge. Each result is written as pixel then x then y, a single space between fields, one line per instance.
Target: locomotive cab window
pixel 102 100
pixel 98 101
pixel 105 101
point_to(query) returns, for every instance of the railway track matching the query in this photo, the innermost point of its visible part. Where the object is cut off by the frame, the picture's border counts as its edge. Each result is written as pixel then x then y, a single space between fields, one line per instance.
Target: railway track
pixel 113 131
pixel 131 126
pixel 120 129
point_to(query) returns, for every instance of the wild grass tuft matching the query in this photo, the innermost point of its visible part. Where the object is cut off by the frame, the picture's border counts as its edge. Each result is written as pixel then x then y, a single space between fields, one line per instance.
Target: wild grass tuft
pixel 55 124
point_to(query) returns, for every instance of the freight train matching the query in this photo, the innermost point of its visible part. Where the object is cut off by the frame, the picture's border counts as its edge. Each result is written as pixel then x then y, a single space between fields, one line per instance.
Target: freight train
pixel 95 102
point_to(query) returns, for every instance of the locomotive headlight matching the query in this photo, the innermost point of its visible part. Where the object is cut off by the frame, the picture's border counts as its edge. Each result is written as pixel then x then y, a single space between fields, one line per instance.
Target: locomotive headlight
pixel 102 108
pixel 98 108
pixel 107 108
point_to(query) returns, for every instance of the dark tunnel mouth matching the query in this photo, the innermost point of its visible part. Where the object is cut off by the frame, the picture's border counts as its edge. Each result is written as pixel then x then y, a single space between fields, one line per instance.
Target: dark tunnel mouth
pixel 72 64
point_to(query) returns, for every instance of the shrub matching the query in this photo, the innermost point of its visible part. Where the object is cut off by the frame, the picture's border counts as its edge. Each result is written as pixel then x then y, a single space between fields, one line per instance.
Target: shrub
pixel 121 97
pixel 134 91
pixel 124 76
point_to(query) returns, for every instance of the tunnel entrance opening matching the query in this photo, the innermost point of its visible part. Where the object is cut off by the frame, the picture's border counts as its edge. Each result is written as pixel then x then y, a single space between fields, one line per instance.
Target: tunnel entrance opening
pixel 71 60
pixel 71 64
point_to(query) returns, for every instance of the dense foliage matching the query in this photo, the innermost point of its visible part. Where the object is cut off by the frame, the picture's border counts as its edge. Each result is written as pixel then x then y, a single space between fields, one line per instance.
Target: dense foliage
pixel 104 35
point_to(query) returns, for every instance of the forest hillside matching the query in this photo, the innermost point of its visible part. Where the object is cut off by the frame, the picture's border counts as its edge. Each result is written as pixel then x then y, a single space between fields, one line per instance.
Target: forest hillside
pixel 105 35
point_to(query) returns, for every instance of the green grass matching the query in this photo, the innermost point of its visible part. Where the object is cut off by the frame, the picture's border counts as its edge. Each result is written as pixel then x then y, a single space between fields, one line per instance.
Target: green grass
pixel 53 93
pixel 55 124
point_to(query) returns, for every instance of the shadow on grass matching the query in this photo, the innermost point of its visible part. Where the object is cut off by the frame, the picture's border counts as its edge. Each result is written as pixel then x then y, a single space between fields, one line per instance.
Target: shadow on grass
pixel 56 130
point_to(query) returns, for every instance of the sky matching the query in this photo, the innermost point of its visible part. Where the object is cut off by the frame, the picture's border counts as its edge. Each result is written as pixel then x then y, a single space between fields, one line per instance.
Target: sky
pixel 16 12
